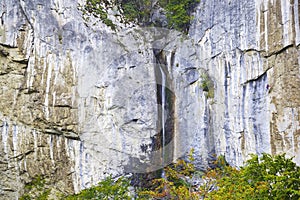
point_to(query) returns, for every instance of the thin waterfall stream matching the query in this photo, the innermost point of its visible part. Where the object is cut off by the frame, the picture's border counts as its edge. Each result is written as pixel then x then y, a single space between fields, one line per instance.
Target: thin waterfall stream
pixel 164 139
pixel 163 103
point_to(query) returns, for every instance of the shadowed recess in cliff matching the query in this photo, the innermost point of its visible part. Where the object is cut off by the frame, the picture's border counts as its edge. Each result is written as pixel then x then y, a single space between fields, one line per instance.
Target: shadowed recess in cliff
pixel 162 147
pixel 163 141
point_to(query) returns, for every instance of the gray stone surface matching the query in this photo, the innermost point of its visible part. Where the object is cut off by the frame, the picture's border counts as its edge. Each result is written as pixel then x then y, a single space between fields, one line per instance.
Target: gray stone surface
pixel 79 101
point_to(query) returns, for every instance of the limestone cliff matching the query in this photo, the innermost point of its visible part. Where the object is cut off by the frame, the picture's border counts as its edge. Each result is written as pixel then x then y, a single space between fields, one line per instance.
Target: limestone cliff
pixel 80 101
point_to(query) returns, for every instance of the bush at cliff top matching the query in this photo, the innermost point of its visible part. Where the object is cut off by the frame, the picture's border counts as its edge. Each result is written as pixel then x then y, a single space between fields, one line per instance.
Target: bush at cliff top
pixel 177 12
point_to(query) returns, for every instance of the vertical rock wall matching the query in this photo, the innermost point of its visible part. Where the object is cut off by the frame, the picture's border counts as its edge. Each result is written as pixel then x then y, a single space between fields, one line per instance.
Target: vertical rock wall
pixel 251 51
pixel 38 100
pixel 79 101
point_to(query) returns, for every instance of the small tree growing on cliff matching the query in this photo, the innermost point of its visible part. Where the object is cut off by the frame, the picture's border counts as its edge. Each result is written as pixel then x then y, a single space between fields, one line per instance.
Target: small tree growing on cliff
pixel 179 13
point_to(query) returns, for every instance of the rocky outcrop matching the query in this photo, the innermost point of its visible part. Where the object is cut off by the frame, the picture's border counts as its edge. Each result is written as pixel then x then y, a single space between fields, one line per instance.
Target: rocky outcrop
pixel 253 47
pixel 80 101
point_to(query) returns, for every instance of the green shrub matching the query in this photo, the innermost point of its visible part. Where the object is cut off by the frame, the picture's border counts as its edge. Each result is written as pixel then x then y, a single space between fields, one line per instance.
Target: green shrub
pixel 175 185
pixel 105 190
pixel 178 12
pixel 207 85
pixel 136 10
pixel 36 189
pixel 262 178
pixel 268 177
pixel 37 182
pixel 95 7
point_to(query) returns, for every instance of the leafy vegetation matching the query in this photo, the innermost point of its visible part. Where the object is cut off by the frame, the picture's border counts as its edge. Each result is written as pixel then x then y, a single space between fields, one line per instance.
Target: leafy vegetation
pixel 36 190
pixel 262 178
pixel 136 10
pixel 268 177
pixel 106 190
pixel 176 184
pixel 96 8
pixel 207 85
pixel 178 13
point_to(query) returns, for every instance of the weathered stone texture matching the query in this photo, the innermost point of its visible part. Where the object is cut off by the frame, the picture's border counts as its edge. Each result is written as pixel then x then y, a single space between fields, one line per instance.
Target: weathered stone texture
pixel 251 45
pixel 27 153
pixel 79 101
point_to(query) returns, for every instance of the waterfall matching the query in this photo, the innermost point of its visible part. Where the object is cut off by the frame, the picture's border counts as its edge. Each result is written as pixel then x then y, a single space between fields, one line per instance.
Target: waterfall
pixel 163 141
pixel 163 103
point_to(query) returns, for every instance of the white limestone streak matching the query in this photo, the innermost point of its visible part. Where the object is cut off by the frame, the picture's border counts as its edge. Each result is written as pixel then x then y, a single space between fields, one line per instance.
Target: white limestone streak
pixel 53 98
pixel 50 141
pixel 258 22
pixel 266 24
pixel 31 72
pixel 28 40
pixel 81 165
pixel 48 83
pixel 72 149
pixel 5 137
pixel 35 143
pixel 58 144
pixel 25 164
pixel 293 132
pixel 15 139
pixel 296 19
pixel 77 154
pixel 285 11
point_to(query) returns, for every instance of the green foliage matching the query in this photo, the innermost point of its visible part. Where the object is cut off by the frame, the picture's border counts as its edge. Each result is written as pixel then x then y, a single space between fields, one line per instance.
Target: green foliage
pixel 95 7
pixel 207 85
pixel 37 182
pixel 263 178
pixel 36 189
pixel 44 195
pixel 136 10
pixel 25 197
pixel 175 185
pixel 178 13
pixel 130 11
pixel 105 190
pixel 278 174
pixel 268 177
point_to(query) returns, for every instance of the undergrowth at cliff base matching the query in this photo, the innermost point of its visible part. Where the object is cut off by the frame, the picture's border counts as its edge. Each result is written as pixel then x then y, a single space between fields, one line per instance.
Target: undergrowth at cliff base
pixel 262 178
pixel 36 189
pixel 106 190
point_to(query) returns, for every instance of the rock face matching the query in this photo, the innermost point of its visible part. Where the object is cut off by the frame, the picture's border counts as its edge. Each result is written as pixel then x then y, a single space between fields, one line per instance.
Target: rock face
pixel 80 101
pixel 251 49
